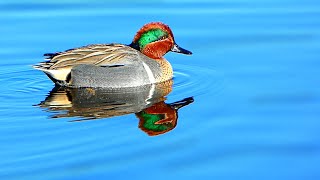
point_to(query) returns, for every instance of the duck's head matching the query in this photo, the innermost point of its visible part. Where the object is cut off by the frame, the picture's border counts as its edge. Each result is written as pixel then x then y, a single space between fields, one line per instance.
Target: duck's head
pixel 155 40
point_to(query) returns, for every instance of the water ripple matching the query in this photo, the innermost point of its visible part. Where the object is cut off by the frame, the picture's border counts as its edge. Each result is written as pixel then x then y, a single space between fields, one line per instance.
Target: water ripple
pixel 196 80
pixel 188 81
pixel 22 81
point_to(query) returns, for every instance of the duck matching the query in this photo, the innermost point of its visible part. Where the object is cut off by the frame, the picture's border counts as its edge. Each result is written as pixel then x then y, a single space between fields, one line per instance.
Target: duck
pixel 116 65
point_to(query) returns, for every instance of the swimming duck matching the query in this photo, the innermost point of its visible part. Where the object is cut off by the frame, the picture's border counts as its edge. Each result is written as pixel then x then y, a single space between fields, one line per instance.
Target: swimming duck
pixel 116 65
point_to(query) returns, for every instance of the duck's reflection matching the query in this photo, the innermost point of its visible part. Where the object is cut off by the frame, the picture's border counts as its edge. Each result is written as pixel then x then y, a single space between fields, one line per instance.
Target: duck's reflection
pixel 147 102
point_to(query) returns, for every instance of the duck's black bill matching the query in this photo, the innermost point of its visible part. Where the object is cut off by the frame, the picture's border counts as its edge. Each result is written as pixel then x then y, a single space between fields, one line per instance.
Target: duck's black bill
pixel 178 49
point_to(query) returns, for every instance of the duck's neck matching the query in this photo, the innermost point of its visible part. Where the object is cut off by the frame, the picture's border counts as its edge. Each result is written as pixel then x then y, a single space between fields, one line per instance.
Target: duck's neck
pixel 166 68
pixel 135 46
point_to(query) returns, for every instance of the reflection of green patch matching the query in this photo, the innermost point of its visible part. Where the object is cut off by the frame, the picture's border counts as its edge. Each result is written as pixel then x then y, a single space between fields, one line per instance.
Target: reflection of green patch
pixel 151 119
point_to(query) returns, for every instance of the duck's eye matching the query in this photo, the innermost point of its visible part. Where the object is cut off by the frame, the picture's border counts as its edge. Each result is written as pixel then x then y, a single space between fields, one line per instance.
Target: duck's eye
pixel 162 37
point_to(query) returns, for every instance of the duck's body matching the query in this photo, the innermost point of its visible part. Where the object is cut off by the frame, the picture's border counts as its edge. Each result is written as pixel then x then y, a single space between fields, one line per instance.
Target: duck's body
pixel 115 65
pixel 105 65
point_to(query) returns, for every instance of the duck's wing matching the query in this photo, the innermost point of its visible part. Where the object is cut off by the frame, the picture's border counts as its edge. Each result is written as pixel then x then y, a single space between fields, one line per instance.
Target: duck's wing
pixel 59 65
pixel 98 54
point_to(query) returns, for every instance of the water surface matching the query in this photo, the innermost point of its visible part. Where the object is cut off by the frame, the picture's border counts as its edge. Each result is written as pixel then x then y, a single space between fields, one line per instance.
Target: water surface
pixel 254 76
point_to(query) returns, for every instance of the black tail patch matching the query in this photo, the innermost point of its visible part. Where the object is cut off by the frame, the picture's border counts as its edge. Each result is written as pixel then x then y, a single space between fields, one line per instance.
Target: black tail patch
pixel 50 55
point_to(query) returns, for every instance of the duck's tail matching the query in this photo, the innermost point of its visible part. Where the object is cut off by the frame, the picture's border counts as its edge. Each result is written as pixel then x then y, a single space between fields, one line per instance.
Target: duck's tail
pixel 54 74
pixel 42 66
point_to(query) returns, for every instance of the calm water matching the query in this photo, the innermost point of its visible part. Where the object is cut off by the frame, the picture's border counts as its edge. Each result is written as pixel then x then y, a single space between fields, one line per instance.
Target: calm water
pixel 254 79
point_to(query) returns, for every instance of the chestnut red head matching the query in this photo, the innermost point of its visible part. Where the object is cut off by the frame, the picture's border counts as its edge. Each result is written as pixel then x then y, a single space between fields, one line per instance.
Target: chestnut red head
pixel 155 40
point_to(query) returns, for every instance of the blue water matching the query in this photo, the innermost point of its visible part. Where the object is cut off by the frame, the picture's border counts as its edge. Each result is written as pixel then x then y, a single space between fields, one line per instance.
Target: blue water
pixel 254 76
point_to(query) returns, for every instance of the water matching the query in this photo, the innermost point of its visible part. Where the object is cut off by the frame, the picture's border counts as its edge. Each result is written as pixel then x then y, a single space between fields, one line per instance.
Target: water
pixel 253 76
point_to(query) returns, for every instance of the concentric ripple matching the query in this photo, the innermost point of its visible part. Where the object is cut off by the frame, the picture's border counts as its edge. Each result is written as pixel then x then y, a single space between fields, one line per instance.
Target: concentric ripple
pixel 195 80
pixel 188 81
pixel 22 79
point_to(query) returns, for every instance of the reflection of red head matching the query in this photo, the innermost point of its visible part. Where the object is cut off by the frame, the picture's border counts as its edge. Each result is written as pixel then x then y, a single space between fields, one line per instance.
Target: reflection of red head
pixel 168 114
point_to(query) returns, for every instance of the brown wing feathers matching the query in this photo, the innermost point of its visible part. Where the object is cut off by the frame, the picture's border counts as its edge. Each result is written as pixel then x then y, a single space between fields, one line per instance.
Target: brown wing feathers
pixel 101 54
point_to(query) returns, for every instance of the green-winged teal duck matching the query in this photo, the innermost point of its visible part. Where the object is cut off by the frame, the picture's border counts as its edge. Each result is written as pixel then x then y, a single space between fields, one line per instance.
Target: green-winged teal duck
pixel 116 65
